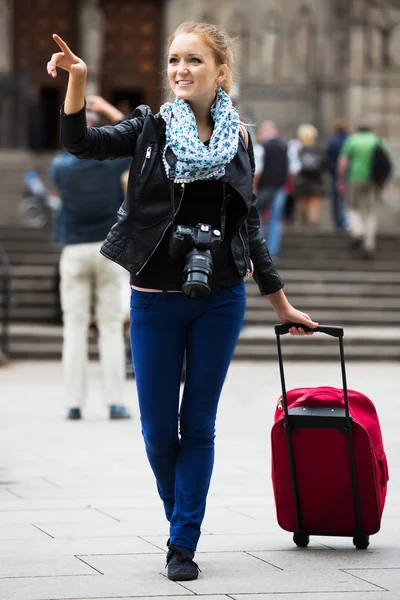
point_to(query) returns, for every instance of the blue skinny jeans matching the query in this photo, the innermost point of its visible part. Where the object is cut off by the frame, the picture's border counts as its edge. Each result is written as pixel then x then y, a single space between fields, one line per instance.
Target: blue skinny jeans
pixel 179 436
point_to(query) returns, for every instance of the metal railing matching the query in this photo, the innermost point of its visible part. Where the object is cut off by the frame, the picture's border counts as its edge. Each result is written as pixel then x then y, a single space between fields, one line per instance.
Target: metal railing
pixel 5 302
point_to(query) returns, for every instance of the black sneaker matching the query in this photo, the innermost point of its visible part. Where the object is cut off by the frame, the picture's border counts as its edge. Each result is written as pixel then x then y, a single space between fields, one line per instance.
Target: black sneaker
pixel 74 414
pixel 119 412
pixel 180 565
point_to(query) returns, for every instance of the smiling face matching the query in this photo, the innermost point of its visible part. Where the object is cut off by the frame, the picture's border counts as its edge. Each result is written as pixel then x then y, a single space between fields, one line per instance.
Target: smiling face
pixel 192 70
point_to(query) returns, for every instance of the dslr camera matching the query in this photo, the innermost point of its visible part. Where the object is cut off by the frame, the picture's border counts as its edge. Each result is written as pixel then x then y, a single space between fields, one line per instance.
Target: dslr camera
pixel 198 244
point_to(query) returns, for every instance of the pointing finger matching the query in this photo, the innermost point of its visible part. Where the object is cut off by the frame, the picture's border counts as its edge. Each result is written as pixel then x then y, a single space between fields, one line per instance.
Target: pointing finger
pixel 60 42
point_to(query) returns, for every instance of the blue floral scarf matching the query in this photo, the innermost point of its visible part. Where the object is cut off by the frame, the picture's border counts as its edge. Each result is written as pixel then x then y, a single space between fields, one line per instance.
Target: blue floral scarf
pixel 195 160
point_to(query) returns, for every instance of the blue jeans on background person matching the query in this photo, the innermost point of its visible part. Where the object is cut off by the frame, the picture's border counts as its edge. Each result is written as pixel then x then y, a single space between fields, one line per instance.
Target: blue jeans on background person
pixel 274 199
pixel 163 326
pixel 338 204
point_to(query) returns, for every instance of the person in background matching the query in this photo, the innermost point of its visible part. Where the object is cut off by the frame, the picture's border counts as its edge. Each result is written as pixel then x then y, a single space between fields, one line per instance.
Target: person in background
pixel 269 181
pixel 309 180
pixel 357 162
pixel 293 148
pixel 333 149
pixel 91 194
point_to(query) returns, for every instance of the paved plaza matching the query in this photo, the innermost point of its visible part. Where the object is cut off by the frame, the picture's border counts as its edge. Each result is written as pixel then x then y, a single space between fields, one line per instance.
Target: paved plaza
pixel 80 517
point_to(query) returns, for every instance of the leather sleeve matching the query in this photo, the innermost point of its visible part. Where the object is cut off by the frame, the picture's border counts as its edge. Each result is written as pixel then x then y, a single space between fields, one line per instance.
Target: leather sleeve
pixel 99 143
pixel 265 273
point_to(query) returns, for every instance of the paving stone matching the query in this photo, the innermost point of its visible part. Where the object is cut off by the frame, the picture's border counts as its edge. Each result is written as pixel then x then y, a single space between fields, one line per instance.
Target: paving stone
pixel 62 473
pixel 388 578
pixel 48 546
pixel 92 493
pixel 53 516
pixel 147 583
pixel 322 558
pixel 219 597
pixel 241 573
pixel 38 567
pixel 250 542
pixel 223 520
pixel 45 504
pixel 20 531
pixel 111 529
pixel 317 596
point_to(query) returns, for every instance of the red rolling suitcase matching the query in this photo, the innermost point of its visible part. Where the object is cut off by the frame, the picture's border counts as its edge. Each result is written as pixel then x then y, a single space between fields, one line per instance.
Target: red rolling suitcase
pixel 329 467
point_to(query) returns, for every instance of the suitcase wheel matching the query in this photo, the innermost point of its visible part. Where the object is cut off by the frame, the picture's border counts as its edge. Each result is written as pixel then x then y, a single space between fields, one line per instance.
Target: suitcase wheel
pixel 301 539
pixel 361 542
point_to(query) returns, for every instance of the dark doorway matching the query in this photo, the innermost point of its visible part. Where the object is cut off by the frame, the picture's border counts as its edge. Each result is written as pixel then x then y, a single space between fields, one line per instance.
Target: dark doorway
pixel 50 105
pixel 126 100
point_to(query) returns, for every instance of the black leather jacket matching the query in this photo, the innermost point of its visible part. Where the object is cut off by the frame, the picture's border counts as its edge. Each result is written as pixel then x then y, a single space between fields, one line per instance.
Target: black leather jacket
pixel 147 212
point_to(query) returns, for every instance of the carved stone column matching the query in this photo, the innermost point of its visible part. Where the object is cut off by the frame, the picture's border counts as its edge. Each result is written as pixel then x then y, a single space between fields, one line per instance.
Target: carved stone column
pixel 91 42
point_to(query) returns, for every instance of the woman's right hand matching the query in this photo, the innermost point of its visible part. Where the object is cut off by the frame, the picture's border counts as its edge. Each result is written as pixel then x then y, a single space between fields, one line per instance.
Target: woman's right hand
pixel 65 60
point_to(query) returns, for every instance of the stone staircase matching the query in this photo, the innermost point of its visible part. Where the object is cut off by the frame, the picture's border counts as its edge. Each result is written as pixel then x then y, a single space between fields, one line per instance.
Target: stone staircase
pixel 323 278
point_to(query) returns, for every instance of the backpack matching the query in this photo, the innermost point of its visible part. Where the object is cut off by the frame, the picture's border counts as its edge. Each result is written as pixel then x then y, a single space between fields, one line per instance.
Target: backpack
pixel 381 166
pixel 310 160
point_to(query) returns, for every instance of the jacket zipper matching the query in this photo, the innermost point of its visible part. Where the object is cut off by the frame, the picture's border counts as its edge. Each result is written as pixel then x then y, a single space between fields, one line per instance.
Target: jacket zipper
pixel 163 233
pixel 248 269
pixel 147 157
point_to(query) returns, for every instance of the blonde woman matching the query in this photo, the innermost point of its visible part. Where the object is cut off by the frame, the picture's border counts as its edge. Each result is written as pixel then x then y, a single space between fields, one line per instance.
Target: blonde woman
pixel 192 170
pixel 309 184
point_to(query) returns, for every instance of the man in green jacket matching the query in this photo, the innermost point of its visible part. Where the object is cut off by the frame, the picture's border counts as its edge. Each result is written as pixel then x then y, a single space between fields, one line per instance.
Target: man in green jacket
pixel 355 164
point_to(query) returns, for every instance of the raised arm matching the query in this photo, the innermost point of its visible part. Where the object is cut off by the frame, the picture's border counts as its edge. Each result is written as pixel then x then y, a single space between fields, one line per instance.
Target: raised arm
pixel 98 143
pixel 77 69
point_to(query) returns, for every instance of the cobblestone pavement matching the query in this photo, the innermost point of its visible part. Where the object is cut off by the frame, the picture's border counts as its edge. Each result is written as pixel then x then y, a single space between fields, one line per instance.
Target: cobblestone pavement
pixel 80 517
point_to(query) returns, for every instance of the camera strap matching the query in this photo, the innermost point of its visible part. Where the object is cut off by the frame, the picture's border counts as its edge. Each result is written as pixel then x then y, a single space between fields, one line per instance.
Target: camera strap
pixel 171 162
pixel 224 205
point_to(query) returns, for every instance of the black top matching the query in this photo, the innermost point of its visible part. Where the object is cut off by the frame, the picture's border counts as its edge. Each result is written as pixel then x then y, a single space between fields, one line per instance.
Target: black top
pixel 202 203
pixel 275 170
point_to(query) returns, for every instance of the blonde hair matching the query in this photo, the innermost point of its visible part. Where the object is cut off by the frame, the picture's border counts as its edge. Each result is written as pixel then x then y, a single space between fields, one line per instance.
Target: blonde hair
pixel 307 134
pixel 220 43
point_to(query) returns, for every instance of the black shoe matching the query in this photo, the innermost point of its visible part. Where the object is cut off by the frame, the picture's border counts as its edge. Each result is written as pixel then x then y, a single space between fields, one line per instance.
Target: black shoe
pixel 74 414
pixel 180 565
pixel 355 243
pixel 368 255
pixel 119 412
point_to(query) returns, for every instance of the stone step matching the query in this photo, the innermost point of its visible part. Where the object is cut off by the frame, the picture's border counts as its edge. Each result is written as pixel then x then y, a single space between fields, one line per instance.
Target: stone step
pixel 294 288
pixel 50 314
pixel 44 298
pixel 342 317
pixel 337 276
pixel 342 264
pixel 18 251
pixel 314 264
pixel 314 353
pixel 372 343
pixel 326 302
pixel 365 290
pixel 290 276
pixel 295 238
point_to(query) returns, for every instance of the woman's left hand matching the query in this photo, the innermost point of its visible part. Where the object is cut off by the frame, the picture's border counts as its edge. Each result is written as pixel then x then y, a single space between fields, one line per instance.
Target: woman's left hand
pixel 292 315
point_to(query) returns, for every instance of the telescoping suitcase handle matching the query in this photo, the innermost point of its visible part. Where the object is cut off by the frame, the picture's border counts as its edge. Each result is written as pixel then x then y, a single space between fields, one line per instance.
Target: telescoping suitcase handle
pixel 331 330
pixel 328 329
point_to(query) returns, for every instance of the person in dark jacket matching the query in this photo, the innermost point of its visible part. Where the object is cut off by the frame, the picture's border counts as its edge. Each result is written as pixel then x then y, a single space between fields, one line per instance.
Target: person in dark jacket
pixel 309 181
pixel 333 149
pixel 190 180
pixel 270 182
pixel 91 195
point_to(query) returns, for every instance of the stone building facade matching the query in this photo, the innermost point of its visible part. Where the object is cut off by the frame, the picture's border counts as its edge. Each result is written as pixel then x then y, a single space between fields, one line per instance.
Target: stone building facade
pixel 298 60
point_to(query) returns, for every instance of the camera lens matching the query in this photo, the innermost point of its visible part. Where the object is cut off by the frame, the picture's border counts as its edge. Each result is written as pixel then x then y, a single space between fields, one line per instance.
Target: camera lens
pixel 197 274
